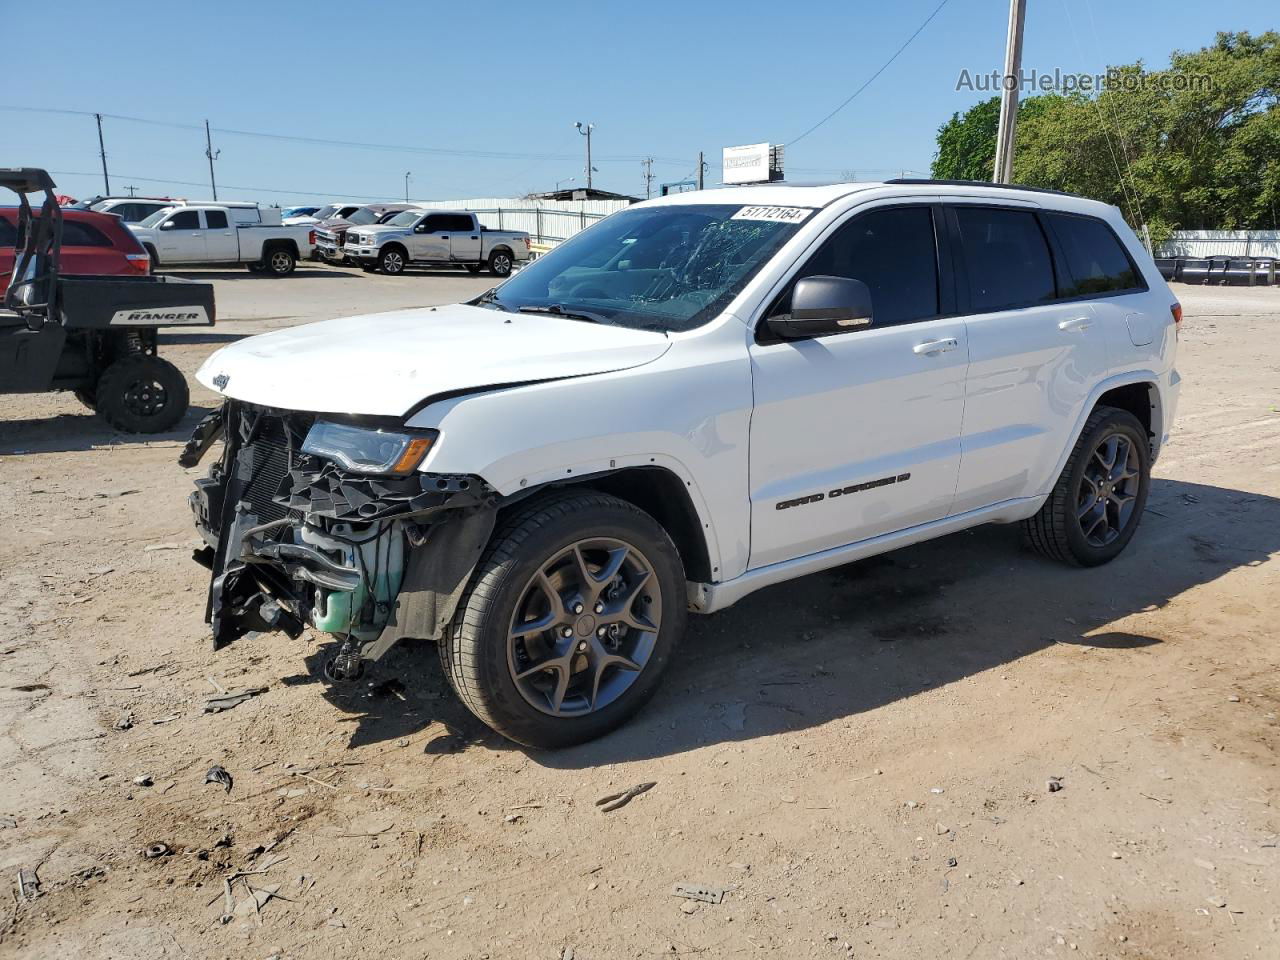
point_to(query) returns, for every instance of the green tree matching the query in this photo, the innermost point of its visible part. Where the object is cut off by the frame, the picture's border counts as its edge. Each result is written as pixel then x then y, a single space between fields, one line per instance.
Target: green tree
pixel 1195 146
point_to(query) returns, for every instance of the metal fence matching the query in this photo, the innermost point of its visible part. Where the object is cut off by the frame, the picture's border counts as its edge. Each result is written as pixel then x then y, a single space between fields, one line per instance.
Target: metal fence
pixel 1221 243
pixel 546 221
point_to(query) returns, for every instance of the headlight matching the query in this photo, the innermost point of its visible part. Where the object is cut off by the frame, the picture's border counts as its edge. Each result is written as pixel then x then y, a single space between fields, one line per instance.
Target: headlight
pixel 367 449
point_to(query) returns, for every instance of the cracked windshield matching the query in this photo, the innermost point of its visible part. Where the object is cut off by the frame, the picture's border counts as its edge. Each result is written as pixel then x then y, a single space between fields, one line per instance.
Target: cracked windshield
pixel 663 268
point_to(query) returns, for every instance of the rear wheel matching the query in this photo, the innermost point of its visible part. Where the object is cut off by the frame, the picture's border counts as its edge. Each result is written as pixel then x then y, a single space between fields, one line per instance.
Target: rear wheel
pixel 570 619
pixel 500 263
pixel 142 394
pixel 280 261
pixel 1097 503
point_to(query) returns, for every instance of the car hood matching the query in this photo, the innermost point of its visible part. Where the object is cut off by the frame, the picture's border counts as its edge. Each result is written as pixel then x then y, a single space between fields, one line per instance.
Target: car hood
pixel 387 364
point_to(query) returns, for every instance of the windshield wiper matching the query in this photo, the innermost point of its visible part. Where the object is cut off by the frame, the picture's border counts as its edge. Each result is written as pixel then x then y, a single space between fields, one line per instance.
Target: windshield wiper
pixel 556 310
pixel 490 298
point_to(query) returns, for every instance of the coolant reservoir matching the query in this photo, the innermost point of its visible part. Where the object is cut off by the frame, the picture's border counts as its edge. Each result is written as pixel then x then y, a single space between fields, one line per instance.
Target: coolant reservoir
pixel 378 552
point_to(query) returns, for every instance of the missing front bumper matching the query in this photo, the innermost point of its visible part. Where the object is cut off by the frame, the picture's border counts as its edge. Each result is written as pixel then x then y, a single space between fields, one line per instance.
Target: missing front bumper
pixel 292 541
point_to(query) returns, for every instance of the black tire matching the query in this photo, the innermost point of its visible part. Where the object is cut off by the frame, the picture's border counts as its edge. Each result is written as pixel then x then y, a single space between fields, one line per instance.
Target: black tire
pixel 392 260
pixel 369 266
pixel 473 268
pixel 88 396
pixel 474 649
pixel 1058 531
pixel 500 262
pixel 256 266
pixel 142 394
pixel 155 257
pixel 279 261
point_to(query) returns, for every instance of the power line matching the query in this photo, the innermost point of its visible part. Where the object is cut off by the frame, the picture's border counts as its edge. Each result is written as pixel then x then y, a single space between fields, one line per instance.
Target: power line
pixel 321 141
pixel 295 191
pixel 885 66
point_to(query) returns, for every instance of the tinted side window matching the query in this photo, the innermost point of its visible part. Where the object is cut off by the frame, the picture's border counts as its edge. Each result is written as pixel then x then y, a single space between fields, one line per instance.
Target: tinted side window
pixel 894 252
pixel 76 234
pixel 216 219
pixel 436 223
pixel 1096 262
pixel 1006 258
pixel 186 220
pixel 458 223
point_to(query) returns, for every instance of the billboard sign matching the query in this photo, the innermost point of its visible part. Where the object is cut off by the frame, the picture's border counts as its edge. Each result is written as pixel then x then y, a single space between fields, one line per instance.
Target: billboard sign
pixel 746 164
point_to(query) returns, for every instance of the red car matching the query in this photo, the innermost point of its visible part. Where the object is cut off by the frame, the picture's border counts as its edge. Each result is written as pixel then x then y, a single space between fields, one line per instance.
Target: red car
pixel 92 243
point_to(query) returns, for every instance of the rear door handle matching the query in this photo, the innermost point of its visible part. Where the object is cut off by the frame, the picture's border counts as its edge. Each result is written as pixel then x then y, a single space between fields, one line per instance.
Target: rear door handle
pixel 936 346
pixel 1075 325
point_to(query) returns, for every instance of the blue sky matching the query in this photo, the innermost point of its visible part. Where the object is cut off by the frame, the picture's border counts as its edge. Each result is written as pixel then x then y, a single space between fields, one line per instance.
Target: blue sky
pixel 657 78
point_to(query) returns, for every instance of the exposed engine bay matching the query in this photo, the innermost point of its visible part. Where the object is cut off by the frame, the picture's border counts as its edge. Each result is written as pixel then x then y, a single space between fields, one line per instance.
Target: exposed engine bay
pixel 293 540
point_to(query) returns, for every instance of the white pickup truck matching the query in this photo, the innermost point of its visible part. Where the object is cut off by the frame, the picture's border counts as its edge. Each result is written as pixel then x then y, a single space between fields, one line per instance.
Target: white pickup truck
pixel 436 237
pixel 695 398
pixel 210 234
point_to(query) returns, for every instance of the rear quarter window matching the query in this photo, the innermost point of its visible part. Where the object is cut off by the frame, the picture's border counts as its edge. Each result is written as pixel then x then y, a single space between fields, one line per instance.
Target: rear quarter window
pixel 1096 261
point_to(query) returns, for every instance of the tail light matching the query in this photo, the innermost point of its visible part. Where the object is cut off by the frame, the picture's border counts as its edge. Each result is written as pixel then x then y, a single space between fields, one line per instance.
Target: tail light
pixel 1175 308
pixel 138 262
pixel 311 237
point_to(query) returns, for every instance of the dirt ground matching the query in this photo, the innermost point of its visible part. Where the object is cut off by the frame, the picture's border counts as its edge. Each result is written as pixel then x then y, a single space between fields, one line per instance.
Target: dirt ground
pixel 861 758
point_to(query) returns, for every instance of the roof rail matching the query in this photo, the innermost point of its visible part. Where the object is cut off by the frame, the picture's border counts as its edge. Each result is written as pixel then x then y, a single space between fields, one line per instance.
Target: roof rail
pixel 925 181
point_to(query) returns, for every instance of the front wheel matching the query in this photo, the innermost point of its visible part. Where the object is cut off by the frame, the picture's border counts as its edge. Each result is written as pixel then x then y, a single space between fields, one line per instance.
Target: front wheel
pixel 141 393
pixel 1094 509
pixel 571 617
pixel 500 263
pixel 391 261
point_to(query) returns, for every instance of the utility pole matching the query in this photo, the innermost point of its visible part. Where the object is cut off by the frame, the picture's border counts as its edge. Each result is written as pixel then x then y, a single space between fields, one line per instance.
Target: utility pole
pixel 209 152
pixel 407 175
pixel 585 129
pixel 647 163
pixel 102 152
pixel 133 191
pixel 1009 94
pixel 701 169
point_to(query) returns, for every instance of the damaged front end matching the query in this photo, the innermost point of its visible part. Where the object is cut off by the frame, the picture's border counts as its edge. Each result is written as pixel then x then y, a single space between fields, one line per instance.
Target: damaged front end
pixel 296 539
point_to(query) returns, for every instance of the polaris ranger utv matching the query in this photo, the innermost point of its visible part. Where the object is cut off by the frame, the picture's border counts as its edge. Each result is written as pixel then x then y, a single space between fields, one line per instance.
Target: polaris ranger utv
pixel 93 335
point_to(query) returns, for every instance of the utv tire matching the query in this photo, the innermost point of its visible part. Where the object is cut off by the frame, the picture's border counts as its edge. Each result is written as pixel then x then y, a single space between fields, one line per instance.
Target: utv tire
pixel 142 394
pixel 500 263
pixel 581 563
pixel 391 261
pixel 1097 503
pixel 88 396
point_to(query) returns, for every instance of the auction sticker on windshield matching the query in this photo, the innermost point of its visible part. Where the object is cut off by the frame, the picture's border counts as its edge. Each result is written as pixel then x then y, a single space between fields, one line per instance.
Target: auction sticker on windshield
pixel 774 214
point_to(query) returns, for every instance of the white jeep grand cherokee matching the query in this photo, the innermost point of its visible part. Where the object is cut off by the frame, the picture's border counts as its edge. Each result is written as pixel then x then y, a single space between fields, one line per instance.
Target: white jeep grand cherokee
pixel 695 398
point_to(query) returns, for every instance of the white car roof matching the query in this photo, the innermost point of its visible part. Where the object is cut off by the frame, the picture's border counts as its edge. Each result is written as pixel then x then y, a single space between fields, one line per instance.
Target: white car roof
pixel 822 195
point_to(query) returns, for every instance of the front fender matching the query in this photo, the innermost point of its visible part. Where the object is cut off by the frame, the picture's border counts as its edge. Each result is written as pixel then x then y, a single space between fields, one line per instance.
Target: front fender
pixel 684 413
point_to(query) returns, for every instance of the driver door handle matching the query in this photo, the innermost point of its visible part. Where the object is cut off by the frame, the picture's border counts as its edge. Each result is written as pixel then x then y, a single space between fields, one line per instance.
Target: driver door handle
pixel 1075 325
pixel 936 346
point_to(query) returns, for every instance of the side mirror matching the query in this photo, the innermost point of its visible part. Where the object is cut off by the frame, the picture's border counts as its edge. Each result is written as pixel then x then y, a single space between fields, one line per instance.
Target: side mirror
pixel 823 305
pixel 420 228
pixel 167 225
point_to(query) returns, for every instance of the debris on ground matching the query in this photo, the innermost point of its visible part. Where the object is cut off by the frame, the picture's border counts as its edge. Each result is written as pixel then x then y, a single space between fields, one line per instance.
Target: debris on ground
pixel 168 719
pixel 152 548
pixel 8 823
pixel 699 891
pixel 143 780
pixel 156 850
pixel 124 723
pixel 615 800
pixel 28 884
pixel 227 699
pixel 1054 784
pixel 218 774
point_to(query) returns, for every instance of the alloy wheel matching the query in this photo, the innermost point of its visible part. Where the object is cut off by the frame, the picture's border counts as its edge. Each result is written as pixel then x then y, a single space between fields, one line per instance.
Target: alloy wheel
pixel 392 262
pixel 280 262
pixel 1108 490
pixel 584 627
pixel 502 264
